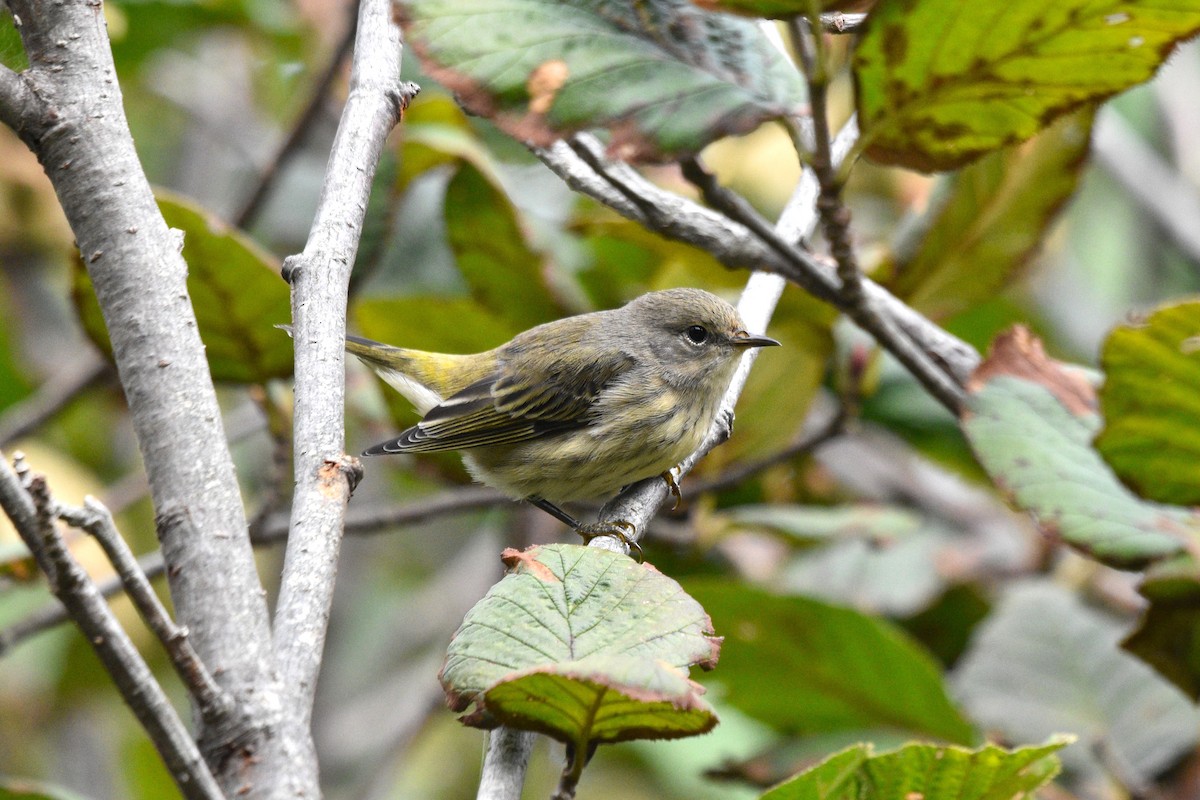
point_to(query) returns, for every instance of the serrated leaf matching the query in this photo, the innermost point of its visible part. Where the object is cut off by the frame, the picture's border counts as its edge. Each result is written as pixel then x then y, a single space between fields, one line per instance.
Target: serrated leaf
pixel 503 273
pixel 600 700
pixel 1150 402
pixel 941 82
pixel 236 292
pixel 804 666
pixel 927 772
pixel 993 220
pixel 570 605
pixel 1168 636
pixel 1030 423
pixel 1044 663
pixel 664 76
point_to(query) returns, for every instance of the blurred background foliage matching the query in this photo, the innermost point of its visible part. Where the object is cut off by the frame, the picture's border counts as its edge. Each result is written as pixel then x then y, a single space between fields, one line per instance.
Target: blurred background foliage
pixel 884 550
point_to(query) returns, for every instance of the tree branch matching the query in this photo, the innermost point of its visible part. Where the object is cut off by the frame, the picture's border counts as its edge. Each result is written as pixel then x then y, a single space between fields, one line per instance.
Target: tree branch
pixel 213 703
pixel 319 275
pixel 83 140
pixel 581 164
pixel 29 506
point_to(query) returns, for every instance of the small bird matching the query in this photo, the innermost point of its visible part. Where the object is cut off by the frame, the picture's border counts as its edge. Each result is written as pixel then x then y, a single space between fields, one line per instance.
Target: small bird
pixel 576 408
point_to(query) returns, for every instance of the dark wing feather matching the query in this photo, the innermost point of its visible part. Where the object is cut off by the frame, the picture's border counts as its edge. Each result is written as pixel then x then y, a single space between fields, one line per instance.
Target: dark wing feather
pixel 535 392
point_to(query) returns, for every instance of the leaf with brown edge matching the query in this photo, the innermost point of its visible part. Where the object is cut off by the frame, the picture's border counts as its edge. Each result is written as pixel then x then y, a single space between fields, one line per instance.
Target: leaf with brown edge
pixel 1030 422
pixel 599 700
pixel 941 82
pixel 664 77
pixel 580 621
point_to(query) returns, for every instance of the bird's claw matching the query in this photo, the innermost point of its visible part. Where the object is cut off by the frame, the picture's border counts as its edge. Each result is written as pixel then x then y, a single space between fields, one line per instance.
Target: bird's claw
pixel 618 529
pixel 673 488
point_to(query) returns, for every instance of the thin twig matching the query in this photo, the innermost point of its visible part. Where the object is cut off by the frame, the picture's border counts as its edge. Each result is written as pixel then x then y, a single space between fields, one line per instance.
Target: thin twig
pixel 51 397
pixel 29 506
pixel 925 369
pixel 300 128
pixel 213 702
pixel 733 243
pixel 373 520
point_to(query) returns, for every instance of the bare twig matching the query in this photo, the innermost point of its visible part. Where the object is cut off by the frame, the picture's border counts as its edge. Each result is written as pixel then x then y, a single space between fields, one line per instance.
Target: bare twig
pixel 29 506
pixel 300 128
pixel 370 520
pixel 581 164
pixel 925 369
pixel 213 702
pixel 319 275
pixel 62 387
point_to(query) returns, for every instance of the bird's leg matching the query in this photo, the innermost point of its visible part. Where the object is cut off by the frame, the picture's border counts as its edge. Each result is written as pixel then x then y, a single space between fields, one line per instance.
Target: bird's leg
pixel 618 529
pixel 673 488
pixel 554 511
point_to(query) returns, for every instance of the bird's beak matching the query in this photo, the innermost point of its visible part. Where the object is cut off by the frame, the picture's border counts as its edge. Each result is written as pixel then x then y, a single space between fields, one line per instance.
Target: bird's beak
pixel 744 339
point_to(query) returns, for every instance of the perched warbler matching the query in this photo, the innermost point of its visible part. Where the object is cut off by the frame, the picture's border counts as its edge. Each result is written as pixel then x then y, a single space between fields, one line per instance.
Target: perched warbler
pixel 576 408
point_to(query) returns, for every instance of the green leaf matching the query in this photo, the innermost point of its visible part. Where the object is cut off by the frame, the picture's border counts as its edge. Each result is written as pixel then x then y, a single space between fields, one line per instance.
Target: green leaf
pixel 1043 662
pixel 993 219
pixel 602 699
pixel 1150 402
pixel 1030 423
pixel 436 132
pixel 664 76
pixel 941 82
pixel 927 772
pixel 503 273
pixel 803 666
pixel 579 622
pixel 236 292
pixel 1168 637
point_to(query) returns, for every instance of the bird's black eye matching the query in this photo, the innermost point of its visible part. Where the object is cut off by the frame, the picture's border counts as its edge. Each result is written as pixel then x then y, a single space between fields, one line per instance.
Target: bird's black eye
pixel 696 334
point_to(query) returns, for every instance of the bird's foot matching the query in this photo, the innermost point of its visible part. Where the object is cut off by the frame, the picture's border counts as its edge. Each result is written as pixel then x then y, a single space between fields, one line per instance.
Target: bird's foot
pixel 618 529
pixel 673 488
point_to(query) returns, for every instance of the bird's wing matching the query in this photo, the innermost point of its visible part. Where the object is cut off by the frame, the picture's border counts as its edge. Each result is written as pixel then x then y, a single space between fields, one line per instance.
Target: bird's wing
pixel 532 394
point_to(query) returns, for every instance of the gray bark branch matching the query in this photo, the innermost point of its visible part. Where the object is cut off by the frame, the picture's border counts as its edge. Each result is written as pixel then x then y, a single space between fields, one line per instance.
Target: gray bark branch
pixel 67 108
pixel 29 506
pixel 320 277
